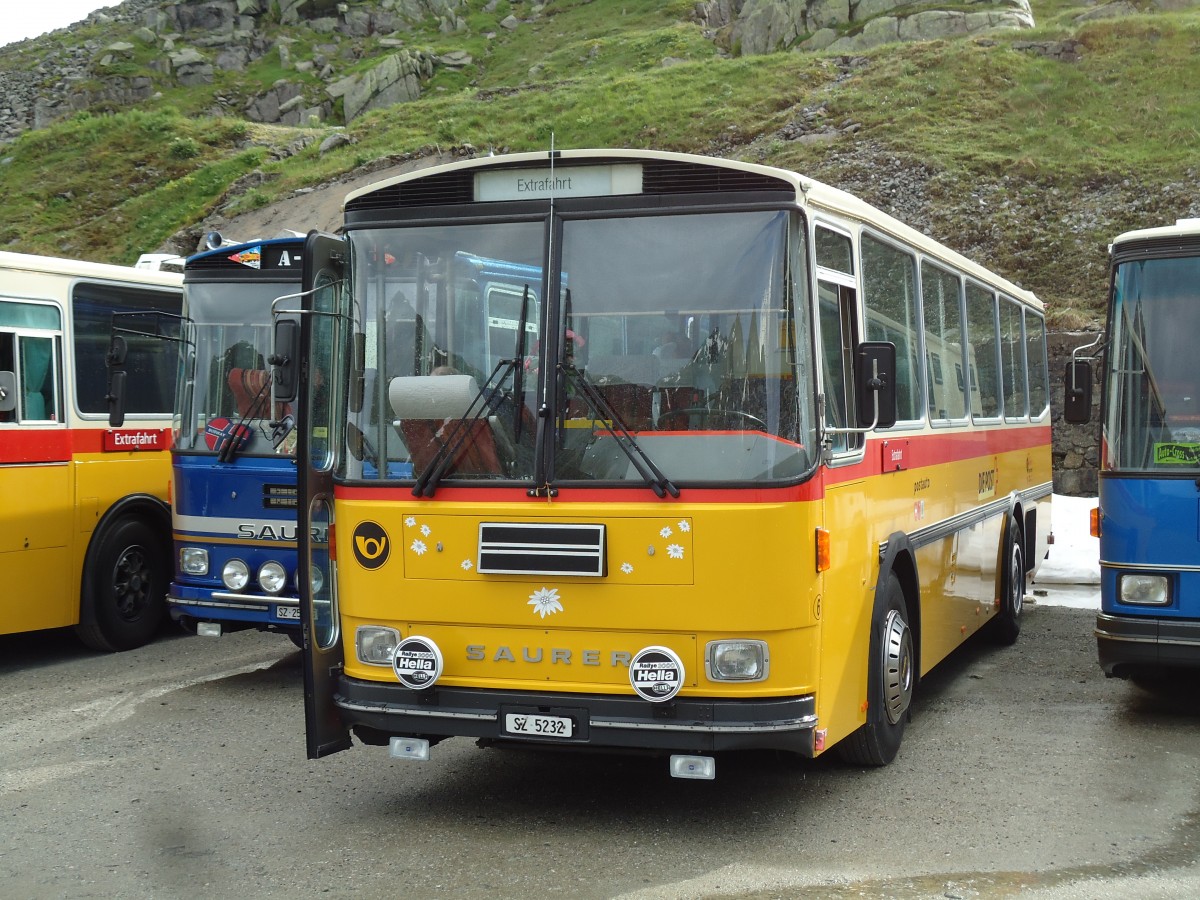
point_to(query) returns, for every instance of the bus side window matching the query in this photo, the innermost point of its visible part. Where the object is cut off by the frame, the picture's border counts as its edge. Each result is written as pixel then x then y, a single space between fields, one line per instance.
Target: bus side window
pixel 838 339
pixel 39 393
pixel 889 294
pixel 8 379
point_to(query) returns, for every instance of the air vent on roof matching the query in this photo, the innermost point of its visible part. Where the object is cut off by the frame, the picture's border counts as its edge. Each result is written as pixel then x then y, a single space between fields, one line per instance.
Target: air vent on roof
pixel 447 189
pixel 671 177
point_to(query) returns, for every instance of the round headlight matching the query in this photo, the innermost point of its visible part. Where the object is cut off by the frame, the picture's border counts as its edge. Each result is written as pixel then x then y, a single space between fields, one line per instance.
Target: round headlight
pixel 235 575
pixel 317 578
pixel 272 577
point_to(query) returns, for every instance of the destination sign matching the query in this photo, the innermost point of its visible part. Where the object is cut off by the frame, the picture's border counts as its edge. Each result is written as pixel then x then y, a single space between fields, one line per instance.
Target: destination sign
pixel 562 181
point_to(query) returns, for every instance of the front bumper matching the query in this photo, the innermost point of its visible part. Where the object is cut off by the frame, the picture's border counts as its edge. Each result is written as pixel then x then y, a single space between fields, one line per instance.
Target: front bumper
pixel 601 721
pixel 1125 642
pixel 226 606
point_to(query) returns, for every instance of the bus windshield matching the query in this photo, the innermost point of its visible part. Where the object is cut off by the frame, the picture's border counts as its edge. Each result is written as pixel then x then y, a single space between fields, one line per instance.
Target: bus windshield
pixel 224 397
pixel 1153 419
pixel 683 357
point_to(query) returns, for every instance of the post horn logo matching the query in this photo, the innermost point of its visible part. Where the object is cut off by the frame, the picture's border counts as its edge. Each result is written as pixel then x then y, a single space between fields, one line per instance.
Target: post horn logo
pixel 371 545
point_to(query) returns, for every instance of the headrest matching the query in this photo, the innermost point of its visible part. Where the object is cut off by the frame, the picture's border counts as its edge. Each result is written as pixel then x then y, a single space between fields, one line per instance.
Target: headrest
pixel 432 396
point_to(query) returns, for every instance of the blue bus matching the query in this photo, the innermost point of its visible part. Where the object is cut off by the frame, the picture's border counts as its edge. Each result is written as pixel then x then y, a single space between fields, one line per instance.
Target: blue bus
pixel 1149 493
pixel 234 460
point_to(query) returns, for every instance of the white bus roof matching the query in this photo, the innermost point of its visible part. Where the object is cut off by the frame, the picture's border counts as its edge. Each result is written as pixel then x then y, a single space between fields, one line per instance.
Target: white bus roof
pixel 1182 228
pixel 77 268
pixel 810 193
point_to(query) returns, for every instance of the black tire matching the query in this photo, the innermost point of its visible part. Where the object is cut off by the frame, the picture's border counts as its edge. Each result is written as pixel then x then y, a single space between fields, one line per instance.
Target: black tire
pixel 1007 624
pixel 125 587
pixel 891 677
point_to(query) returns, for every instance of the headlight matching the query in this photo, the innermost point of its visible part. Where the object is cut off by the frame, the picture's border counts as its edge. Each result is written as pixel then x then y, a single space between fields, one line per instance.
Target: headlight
pixel 235 575
pixel 193 560
pixel 1146 590
pixel 736 660
pixel 316 579
pixel 376 644
pixel 272 577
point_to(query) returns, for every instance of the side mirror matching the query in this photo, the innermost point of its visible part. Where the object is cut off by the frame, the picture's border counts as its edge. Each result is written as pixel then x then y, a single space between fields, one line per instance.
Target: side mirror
pixel 116 398
pixel 8 391
pixel 875 384
pixel 284 372
pixel 1077 392
pixel 115 363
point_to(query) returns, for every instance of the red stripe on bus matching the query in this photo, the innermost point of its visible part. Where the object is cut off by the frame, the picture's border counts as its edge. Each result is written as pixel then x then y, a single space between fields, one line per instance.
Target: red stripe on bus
pixel 43 445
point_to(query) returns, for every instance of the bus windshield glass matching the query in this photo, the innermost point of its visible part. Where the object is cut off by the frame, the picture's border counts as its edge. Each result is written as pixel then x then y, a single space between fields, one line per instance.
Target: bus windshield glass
pixel 682 359
pixel 224 397
pixel 1153 418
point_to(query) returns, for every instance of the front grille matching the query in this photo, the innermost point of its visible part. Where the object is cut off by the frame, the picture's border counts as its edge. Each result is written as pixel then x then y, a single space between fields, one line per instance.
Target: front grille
pixel 521 548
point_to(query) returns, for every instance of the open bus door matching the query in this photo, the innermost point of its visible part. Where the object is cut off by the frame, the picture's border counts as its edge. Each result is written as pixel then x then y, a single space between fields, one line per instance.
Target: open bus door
pixel 313 351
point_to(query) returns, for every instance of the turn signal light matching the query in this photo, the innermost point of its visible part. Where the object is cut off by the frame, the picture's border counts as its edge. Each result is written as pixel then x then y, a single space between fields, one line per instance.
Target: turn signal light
pixel 1095 522
pixel 822 550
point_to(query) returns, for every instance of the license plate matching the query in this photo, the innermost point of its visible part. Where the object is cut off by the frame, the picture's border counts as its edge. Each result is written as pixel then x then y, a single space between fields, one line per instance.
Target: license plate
pixel 288 612
pixel 533 725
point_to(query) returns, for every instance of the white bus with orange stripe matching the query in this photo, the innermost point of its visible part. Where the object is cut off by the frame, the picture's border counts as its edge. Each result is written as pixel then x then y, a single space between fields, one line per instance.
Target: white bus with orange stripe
pixel 731 461
pixel 85 529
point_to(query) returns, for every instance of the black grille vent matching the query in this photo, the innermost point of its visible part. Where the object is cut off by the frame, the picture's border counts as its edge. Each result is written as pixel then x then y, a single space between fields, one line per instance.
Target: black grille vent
pixel 693 178
pixel 447 189
pixel 519 548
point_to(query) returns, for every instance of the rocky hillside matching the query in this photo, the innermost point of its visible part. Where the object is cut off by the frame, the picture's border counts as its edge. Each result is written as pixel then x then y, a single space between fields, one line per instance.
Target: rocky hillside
pixel 297 62
pixel 1024 147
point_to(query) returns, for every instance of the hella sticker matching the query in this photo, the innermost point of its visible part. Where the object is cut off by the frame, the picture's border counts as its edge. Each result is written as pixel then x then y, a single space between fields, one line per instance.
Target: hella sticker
pixel 417 662
pixel 656 674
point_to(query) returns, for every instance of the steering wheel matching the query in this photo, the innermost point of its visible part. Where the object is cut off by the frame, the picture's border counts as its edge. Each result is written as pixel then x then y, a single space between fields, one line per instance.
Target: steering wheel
pixel 706 416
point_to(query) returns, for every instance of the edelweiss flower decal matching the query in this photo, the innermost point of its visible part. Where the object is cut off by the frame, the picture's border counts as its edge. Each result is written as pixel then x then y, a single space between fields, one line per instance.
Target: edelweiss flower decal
pixel 418 547
pixel 467 565
pixel 674 551
pixel 410 522
pixel 685 526
pixel 545 601
pixel 627 568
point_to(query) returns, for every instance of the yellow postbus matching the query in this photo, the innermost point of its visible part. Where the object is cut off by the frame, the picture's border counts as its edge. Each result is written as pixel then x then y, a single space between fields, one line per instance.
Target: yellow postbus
pixel 85 529
pixel 638 450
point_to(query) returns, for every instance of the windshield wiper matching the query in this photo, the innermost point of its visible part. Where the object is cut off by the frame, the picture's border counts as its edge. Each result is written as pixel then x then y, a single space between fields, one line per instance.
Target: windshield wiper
pixel 651 474
pixel 427 481
pixel 237 434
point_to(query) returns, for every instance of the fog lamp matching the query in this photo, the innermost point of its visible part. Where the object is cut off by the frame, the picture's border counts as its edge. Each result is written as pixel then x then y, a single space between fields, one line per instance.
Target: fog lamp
pixel 739 660
pixel 316 578
pixel 376 644
pixel 272 577
pixel 1147 590
pixel 235 575
pixel 193 561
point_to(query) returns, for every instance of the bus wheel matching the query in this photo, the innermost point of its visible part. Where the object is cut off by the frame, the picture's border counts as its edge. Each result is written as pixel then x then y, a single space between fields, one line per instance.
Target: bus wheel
pixel 1007 624
pixel 125 588
pixel 891 676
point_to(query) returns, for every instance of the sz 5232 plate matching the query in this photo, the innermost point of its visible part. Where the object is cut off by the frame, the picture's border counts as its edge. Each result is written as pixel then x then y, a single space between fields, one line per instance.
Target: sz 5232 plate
pixel 538 725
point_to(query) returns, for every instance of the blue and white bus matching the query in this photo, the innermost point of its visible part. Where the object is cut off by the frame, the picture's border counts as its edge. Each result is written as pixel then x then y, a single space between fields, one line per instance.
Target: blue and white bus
pixel 233 460
pixel 1147 521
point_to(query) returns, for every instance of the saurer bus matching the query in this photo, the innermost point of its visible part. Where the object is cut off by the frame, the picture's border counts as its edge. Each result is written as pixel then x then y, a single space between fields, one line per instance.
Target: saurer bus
pixel 1148 520
pixel 733 464
pixel 84 526
pixel 234 460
